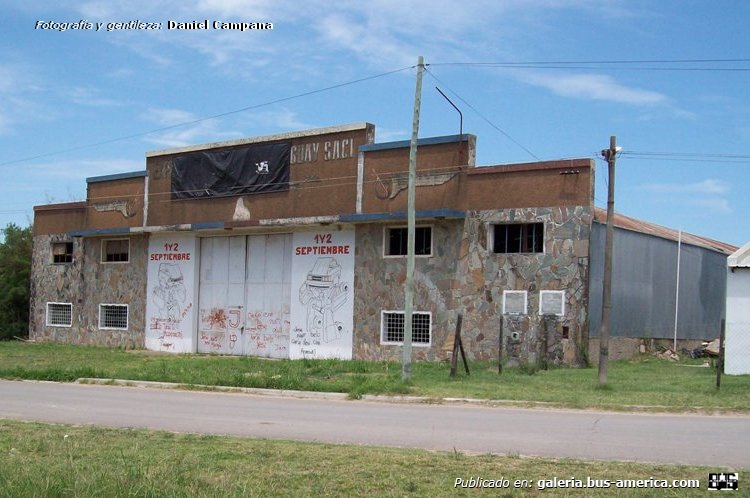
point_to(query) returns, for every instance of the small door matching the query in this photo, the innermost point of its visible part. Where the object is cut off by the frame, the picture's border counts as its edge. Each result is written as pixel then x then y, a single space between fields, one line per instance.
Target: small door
pixel 221 295
pixel 268 295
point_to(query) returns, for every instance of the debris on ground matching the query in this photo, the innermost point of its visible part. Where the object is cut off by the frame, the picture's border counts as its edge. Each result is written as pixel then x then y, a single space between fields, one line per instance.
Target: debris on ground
pixel 668 354
pixel 712 348
pixel 706 350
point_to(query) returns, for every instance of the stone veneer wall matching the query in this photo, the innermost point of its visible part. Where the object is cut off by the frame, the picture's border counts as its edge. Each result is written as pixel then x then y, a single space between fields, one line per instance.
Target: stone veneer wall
pixel 379 285
pixel 465 276
pixel 86 283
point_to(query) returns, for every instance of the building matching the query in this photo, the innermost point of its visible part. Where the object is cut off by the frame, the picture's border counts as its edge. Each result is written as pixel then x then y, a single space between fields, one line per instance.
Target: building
pixel 666 285
pixel 293 246
pixel 737 345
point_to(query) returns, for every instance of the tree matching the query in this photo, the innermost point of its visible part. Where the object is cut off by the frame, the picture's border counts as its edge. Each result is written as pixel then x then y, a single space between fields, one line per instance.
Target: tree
pixel 15 273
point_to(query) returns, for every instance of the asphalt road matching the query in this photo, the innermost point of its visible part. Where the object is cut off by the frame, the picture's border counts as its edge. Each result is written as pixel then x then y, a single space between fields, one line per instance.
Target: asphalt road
pixel 680 439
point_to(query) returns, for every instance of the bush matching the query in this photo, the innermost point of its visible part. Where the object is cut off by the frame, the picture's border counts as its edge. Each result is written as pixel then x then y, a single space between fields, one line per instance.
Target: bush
pixel 15 272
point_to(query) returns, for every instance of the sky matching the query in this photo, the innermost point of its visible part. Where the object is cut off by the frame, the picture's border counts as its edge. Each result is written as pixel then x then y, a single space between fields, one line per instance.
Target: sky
pixel 534 80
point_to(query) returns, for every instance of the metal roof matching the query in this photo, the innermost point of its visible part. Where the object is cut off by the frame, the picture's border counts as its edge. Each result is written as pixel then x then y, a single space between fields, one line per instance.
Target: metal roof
pixel 636 225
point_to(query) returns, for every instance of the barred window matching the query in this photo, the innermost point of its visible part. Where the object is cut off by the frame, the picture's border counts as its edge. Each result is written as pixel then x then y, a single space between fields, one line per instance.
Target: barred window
pixel 113 316
pixel 59 314
pixel 396 239
pixel 392 327
pixel 115 250
pixel 62 252
pixel 518 238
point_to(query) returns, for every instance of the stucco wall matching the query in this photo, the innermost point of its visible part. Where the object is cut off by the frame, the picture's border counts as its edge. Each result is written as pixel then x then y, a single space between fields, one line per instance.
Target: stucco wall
pixel 86 283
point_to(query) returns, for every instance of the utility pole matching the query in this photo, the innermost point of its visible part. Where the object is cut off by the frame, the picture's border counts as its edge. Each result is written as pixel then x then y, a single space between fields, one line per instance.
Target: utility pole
pixel 610 155
pixel 411 227
pixel 677 289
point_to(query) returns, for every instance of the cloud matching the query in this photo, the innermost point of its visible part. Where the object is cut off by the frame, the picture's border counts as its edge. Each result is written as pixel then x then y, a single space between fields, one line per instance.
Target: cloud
pixel 714 205
pixel 184 129
pixel 18 88
pixel 91 97
pixel 380 34
pixel 708 194
pixel 709 186
pixel 79 170
pixel 591 87
pixel 391 135
pixel 283 119
pixel 207 130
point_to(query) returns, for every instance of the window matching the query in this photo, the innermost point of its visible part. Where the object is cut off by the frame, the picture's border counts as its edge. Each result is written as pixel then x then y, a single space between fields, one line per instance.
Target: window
pixel 552 302
pixel 514 302
pixel 59 314
pixel 396 239
pixel 62 252
pixel 392 328
pixel 113 316
pixel 518 238
pixel 115 251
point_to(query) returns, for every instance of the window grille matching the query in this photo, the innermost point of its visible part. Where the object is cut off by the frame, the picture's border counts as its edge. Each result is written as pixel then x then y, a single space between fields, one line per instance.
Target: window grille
pixel 59 314
pixel 392 327
pixel 113 316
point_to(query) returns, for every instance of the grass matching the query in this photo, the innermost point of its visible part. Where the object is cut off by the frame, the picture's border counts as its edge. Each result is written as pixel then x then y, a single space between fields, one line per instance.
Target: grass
pixel 645 381
pixel 40 460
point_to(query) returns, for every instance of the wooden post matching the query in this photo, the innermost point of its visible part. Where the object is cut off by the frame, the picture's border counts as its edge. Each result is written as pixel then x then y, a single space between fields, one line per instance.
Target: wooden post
pixel 545 340
pixel 458 346
pixel 463 354
pixel 609 155
pixel 500 348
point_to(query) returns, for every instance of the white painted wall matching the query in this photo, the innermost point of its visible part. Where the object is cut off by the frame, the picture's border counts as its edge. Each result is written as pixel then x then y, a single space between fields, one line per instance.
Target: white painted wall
pixel 737 342
pixel 322 308
pixel 170 312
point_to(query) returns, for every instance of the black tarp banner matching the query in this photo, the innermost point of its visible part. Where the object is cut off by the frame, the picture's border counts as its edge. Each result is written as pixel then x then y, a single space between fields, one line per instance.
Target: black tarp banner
pixel 236 171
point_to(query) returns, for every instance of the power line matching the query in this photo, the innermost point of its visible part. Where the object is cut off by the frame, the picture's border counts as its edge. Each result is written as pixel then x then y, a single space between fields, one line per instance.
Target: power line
pixel 199 120
pixel 612 64
pixel 616 61
pixel 687 155
pixel 493 125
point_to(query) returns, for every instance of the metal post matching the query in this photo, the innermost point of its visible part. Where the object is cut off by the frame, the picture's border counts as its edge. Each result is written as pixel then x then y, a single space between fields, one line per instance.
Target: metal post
pixel 609 155
pixel 720 362
pixel 677 290
pixel 411 222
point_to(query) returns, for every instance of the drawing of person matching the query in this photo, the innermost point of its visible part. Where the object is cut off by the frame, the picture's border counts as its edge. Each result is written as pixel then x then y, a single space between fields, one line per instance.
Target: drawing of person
pixel 323 293
pixel 170 292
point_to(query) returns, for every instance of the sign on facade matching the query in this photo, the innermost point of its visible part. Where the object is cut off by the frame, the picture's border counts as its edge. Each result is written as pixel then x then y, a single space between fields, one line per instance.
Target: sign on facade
pixel 322 307
pixel 169 305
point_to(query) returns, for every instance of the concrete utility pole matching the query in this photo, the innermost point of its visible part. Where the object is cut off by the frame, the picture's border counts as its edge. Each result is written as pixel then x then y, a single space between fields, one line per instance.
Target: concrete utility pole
pixel 610 155
pixel 411 225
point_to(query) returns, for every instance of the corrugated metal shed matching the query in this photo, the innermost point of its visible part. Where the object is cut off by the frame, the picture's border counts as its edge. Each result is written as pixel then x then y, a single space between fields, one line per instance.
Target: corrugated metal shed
pixel 636 225
pixel 644 281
